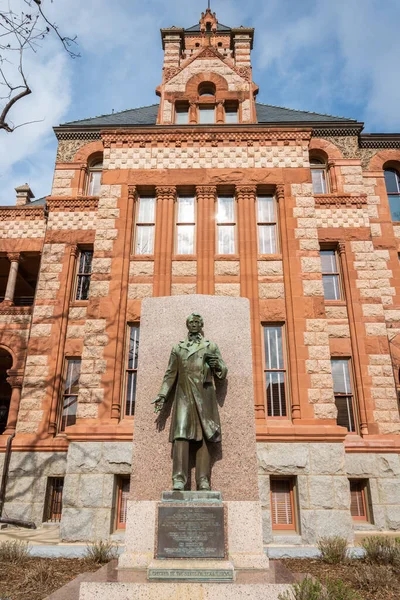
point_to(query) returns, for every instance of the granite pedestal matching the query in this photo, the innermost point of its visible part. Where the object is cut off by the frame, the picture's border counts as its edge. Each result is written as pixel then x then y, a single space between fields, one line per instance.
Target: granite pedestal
pixel 234 462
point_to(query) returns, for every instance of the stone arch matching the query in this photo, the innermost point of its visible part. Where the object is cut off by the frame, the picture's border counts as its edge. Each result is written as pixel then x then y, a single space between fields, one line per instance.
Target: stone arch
pixel 324 149
pixel 88 151
pixel 385 159
pixel 192 86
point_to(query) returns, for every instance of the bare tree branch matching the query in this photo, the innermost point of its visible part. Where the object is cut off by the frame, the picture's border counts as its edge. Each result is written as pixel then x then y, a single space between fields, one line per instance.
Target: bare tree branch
pixel 20 33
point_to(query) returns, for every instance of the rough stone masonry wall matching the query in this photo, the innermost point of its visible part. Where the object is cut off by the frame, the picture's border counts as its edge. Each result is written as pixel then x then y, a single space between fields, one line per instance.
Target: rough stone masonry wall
pixel 36 368
pixel 90 488
pixel 383 474
pixel 95 338
pixel 208 157
pixel 27 483
pixel 322 488
pixel 20 229
pixel 316 334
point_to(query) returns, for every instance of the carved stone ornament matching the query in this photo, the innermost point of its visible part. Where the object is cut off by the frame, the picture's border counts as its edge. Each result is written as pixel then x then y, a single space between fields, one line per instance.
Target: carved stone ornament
pixel 68 148
pixel 22 214
pixel 342 201
pixel 72 204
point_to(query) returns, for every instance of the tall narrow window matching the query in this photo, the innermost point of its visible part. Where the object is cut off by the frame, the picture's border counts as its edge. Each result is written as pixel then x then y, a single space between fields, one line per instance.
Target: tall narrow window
pixel 145 225
pixel 344 399
pixel 331 275
pixel 319 176
pixel 54 496
pixel 358 497
pixel 392 181
pixel 206 114
pixel 185 225
pixel 70 392
pixel 282 504
pixel 131 369
pixel 275 371
pixel 83 274
pixel 266 223
pixel 181 114
pixel 123 488
pixel 226 225
pixel 231 113
pixel 94 178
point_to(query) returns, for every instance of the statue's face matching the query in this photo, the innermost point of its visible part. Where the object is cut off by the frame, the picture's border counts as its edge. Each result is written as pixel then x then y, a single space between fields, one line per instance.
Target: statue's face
pixel 194 325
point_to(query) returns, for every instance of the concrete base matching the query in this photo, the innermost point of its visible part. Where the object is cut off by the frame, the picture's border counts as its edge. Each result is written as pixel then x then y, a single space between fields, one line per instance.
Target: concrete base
pixel 181 591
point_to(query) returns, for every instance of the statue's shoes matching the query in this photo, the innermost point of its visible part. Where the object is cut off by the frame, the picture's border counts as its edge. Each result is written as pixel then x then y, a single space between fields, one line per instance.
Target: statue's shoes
pixel 204 486
pixel 178 486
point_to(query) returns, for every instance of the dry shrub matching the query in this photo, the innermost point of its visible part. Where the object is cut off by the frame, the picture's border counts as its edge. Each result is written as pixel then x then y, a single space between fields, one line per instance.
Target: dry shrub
pixel 333 549
pixel 14 552
pixel 374 578
pixel 310 589
pixel 101 552
pixel 381 550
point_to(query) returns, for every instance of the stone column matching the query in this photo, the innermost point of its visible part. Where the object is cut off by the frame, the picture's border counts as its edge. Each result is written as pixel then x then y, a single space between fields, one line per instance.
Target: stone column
pixel 192 112
pixel 332 176
pixel 220 112
pixel 14 258
pixel 295 396
pixel 205 195
pixel 15 380
pixel 354 336
pixel 248 251
pixel 164 240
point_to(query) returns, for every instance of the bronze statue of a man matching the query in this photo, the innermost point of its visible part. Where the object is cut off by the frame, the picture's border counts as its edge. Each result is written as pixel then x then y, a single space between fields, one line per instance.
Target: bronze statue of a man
pixel 193 364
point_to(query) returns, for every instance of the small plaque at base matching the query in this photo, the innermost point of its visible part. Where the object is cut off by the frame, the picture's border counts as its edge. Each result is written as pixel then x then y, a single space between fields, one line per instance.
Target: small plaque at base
pixel 190 574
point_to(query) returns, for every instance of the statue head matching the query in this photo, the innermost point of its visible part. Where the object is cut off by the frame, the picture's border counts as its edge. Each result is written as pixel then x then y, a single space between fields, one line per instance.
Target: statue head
pixel 195 323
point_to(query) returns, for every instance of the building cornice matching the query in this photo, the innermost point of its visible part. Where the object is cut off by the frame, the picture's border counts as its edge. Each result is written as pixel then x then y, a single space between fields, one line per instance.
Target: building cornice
pixel 214 136
pixel 380 140
pixel 79 133
pixel 12 213
pixel 72 204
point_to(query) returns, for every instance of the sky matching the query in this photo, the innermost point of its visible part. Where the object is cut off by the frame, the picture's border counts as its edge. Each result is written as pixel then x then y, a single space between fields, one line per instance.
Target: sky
pixel 337 57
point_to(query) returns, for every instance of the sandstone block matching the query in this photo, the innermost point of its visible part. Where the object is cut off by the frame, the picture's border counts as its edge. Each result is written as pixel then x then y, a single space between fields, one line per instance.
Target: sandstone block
pixel 140 290
pixel 184 268
pixel 313 288
pixel 227 289
pixel 267 268
pixel 321 492
pixel 325 411
pixel 141 268
pixel 327 459
pixel 279 459
pixel 183 289
pixel 271 290
pixel 311 264
pixel 99 289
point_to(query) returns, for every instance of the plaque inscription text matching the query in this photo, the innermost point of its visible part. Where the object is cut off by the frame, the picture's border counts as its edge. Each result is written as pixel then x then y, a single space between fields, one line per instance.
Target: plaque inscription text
pixel 190 532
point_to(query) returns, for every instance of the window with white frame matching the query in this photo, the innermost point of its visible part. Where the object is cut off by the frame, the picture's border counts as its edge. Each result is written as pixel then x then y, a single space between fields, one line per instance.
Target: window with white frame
pixel 331 278
pixel 83 274
pixel 226 225
pixel 132 355
pixel 95 170
pixel 69 401
pixel 319 176
pixel 392 181
pixel 185 225
pixel 267 225
pixel 145 225
pixel 344 398
pixel 275 370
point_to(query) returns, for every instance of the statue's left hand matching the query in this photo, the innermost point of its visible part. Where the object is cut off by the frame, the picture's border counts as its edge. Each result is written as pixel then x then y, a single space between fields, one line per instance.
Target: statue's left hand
pixel 214 363
pixel 158 403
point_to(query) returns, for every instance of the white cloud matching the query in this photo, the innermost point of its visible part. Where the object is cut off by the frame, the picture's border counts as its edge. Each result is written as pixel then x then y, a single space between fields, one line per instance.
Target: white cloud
pixel 336 57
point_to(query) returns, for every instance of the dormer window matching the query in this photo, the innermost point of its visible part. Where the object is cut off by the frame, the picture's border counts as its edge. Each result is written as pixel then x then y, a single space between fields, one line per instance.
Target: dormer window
pixel 207 88
pixel 181 114
pixel 206 114
pixel 208 26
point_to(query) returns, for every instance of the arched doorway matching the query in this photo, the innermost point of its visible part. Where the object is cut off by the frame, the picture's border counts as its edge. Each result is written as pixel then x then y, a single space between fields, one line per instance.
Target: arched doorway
pixel 5 388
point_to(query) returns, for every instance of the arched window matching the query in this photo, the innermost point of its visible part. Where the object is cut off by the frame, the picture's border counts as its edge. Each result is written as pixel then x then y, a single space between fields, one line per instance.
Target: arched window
pixel 392 181
pixel 95 168
pixel 319 175
pixel 207 88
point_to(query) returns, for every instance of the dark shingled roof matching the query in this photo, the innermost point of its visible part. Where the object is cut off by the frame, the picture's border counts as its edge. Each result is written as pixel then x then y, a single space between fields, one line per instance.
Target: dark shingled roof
pixel 38 202
pixel 196 28
pixel 147 115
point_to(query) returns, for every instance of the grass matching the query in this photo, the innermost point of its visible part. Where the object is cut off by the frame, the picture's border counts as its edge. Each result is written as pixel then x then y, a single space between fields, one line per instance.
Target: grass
pixel 101 552
pixel 14 552
pixel 382 550
pixel 313 589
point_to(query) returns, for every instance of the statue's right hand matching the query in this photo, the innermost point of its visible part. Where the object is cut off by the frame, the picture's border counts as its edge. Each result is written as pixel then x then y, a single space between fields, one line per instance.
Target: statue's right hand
pixel 158 403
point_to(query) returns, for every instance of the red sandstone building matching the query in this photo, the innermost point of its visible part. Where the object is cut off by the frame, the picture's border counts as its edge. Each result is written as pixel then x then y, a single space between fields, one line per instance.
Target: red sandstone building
pixel 208 192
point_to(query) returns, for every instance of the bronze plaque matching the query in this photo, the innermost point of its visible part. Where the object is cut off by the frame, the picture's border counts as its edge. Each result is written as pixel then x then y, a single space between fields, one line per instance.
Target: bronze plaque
pixel 190 532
